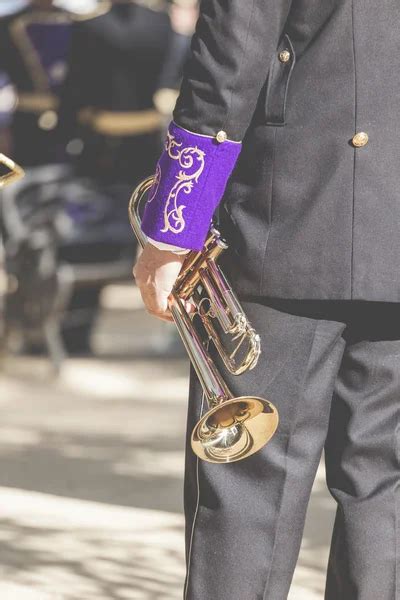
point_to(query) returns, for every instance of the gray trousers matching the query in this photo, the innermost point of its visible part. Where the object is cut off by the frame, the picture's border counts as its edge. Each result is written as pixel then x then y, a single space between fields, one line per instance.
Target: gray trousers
pixel 333 371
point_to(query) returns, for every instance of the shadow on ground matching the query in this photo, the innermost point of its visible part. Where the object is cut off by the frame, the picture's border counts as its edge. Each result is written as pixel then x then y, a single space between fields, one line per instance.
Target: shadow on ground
pixel 91 476
pixel 93 565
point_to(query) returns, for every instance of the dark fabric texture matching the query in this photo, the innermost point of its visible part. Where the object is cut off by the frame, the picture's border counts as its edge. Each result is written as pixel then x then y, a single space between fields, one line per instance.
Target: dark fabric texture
pixel 231 50
pixel 308 214
pixel 332 370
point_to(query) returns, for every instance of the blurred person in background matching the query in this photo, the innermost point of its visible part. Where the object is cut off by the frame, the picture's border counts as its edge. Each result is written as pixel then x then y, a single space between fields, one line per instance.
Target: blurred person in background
pixel 8 101
pixel 33 49
pixel 108 118
pixel 114 65
pixel 34 46
pixel 8 98
pixel 100 118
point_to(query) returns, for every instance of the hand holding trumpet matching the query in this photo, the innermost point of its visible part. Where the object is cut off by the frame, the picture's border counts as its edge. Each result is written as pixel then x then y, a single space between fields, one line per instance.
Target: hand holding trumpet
pixel 156 272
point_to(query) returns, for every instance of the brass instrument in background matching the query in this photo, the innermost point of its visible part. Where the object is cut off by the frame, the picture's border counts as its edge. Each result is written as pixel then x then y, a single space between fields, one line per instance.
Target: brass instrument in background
pixel 233 428
pixel 9 171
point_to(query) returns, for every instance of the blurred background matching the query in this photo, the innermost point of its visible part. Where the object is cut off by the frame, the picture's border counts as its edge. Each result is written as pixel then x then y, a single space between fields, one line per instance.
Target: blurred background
pixel 92 390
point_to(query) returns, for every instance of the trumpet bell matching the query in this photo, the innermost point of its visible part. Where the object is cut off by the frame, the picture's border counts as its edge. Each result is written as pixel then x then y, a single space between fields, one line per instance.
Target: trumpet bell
pixel 234 429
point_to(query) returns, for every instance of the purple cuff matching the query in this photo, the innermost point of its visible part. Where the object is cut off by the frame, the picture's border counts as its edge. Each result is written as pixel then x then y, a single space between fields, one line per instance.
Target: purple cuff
pixel 191 177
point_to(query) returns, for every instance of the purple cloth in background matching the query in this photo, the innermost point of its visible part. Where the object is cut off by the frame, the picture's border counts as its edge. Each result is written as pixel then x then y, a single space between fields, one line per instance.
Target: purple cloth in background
pixel 51 42
pixel 191 177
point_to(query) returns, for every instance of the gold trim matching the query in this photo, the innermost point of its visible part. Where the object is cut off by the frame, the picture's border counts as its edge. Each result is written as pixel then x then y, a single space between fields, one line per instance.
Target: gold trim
pixel 36 103
pixel 121 123
pixel 186 3
pixel 165 99
pixel 16 172
pixel 284 56
pixel 360 139
pixel 186 156
pixel 105 6
pixel 27 50
pixel 221 137
pixel 210 137
pixel 102 9
pixel 154 5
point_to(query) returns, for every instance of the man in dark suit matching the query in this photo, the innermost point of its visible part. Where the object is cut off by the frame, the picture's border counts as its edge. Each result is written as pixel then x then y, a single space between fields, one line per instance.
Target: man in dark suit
pixel 288 115
pixel 109 124
pixel 33 48
pixel 114 64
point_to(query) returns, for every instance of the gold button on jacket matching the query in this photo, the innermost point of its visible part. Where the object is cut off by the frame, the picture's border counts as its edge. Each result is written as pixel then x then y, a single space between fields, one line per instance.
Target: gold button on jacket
pixel 221 136
pixel 360 139
pixel 284 56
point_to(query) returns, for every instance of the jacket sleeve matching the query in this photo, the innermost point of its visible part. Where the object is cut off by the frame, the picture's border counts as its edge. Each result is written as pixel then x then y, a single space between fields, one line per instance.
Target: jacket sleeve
pixel 228 66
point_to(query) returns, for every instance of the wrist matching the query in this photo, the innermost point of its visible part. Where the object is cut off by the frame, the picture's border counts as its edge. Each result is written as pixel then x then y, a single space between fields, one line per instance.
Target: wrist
pixel 168 247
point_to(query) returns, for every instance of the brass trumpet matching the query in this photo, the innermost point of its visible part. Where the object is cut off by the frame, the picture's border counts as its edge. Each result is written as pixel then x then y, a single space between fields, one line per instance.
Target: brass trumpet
pixel 9 171
pixel 233 428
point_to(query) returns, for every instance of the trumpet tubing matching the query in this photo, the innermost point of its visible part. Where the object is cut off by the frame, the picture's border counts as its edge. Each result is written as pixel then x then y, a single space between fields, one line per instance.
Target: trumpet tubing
pixel 233 428
pixel 9 171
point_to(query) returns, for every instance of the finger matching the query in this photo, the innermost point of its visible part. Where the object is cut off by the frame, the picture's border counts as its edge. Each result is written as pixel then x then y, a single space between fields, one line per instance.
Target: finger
pixel 166 313
pixel 164 316
pixel 154 299
pixel 139 252
pixel 190 308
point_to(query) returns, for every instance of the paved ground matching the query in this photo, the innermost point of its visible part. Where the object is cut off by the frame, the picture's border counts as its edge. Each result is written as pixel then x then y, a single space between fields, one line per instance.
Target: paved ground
pixel 91 473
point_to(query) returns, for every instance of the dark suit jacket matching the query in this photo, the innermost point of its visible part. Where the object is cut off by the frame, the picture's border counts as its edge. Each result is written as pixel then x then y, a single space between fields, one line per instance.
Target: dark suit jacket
pixel 311 211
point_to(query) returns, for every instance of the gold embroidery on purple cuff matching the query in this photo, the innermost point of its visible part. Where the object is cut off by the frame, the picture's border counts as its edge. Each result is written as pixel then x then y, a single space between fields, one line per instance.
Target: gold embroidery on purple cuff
pixel 186 157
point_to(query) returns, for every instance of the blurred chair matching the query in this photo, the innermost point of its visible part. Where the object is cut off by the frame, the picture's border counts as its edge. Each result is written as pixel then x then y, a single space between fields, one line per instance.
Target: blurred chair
pixel 50 225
